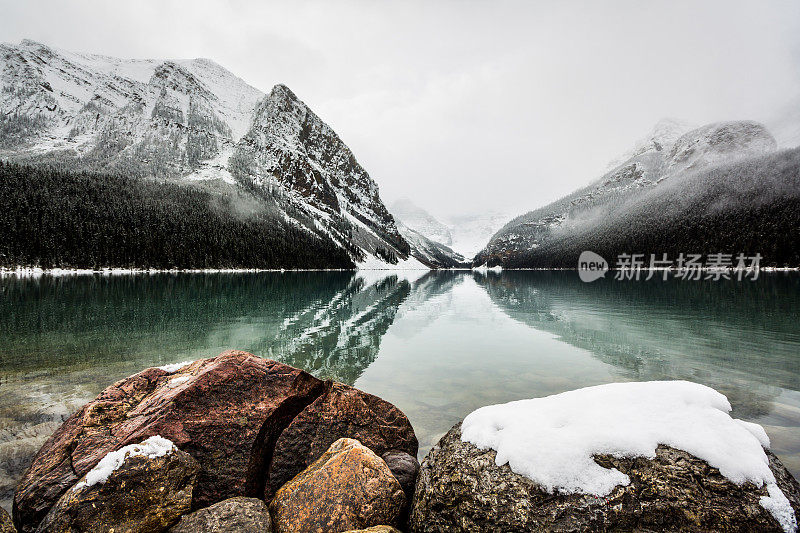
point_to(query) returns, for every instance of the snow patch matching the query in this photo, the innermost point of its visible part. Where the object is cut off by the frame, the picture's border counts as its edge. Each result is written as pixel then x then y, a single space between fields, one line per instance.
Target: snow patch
pixel 155 446
pixel 484 269
pixel 174 367
pixel 374 263
pixel 778 505
pixel 178 381
pixel 553 440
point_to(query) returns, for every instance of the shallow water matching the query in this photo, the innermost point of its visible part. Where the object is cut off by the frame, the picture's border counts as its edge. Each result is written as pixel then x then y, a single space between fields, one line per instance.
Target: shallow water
pixel 438 345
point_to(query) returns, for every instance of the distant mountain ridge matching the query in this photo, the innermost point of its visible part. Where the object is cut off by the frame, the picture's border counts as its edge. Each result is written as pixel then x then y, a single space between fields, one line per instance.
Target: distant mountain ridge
pixel 666 197
pixel 194 123
pixel 421 221
pixel 462 234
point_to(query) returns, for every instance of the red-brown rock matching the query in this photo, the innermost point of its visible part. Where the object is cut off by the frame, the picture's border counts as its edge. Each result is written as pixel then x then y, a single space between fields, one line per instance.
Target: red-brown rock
pixel 227 412
pixel 348 487
pixel 340 412
pixel 143 495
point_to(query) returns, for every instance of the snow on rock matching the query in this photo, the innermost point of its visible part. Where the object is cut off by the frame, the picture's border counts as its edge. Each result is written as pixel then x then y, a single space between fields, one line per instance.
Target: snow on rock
pixel 553 440
pixel 155 446
pixel 177 382
pixel 174 367
pixel 778 505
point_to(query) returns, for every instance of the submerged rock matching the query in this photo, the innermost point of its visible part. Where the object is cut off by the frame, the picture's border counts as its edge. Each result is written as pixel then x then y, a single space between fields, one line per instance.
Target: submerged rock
pixel 226 412
pixel 348 487
pixel 234 515
pixel 144 494
pixel 461 488
pixel 341 411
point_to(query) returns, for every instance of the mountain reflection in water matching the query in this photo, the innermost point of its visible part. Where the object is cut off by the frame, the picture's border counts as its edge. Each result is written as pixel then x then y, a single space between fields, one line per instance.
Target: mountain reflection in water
pixel 436 344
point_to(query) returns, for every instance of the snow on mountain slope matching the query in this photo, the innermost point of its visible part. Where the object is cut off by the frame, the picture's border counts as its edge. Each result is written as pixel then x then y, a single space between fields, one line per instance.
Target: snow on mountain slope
pixel 465 234
pixel 664 134
pixel 431 253
pixel 151 117
pixel 472 232
pixel 421 221
pixel 290 150
pixel 191 120
pixel 665 157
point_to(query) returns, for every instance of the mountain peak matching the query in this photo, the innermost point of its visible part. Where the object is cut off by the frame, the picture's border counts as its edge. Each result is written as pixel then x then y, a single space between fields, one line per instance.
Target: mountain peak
pixel 719 142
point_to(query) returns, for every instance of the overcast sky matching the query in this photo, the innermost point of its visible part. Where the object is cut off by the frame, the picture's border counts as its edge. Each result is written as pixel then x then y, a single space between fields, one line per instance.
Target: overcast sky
pixel 467 106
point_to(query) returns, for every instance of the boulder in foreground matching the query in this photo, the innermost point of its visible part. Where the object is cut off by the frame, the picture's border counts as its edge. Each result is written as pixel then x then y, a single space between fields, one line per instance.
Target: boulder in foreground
pixel 234 515
pixel 348 487
pixel 405 469
pixel 638 456
pixel 339 412
pixel 225 411
pixel 250 423
pixel 141 488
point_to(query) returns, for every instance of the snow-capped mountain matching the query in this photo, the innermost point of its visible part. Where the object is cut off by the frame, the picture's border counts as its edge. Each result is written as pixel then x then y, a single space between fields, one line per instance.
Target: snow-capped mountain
pixel 190 120
pixel 464 234
pixel 430 253
pixel 291 150
pixel 421 221
pixel 471 232
pixel 664 133
pixel 164 118
pixel 665 167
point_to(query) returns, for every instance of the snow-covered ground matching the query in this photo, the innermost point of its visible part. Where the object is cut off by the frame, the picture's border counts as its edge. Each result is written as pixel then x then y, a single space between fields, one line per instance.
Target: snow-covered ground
pixel 553 440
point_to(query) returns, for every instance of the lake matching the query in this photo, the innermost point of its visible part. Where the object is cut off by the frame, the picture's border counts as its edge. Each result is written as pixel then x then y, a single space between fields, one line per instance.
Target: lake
pixel 438 345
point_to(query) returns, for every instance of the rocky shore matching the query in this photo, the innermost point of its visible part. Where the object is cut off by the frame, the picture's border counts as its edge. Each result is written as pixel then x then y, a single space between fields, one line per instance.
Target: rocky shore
pixel 240 443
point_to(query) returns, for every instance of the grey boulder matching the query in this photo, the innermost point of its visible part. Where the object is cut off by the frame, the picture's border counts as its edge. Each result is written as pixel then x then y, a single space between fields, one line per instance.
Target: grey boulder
pixel 234 515
pixel 460 488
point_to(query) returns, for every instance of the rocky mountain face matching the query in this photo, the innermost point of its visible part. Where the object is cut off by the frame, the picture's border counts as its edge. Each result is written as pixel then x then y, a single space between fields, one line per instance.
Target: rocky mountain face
pixel 431 253
pixel 291 152
pixel 421 221
pixel 192 121
pixel 471 232
pixel 629 208
pixel 462 235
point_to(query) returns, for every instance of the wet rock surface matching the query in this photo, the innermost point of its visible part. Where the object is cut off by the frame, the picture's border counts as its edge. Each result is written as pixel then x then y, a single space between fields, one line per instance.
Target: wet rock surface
pixel 234 515
pixel 226 412
pixel 348 487
pixel 247 421
pixel 6 525
pixel 405 469
pixel 375 529
pixel 460 488
pixel 145 494
pixel 341 411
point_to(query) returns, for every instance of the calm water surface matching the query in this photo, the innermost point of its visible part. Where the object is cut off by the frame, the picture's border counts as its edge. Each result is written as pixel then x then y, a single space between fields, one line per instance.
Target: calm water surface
pixel 438 345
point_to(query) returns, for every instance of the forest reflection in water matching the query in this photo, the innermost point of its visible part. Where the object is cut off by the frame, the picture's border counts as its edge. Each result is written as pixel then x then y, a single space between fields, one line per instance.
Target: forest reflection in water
pixel 436 344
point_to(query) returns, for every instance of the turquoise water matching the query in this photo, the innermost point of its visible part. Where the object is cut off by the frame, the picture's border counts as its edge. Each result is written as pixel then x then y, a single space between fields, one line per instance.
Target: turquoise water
pixel 438 345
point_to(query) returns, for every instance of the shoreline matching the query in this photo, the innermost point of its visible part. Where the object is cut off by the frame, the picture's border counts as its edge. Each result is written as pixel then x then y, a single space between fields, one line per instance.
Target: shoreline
pixel 35 272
